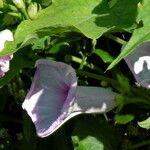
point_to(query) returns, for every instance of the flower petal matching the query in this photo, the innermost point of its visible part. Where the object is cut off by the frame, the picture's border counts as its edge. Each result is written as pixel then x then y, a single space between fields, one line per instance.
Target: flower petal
pixel 5 35
pixel 139 64
pixel 4 64
pixel 94 100
pixel 51 95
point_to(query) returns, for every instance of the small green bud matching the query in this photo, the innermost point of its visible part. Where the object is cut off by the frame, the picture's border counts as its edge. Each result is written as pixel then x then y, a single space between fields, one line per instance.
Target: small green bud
pixel 19 3
pixel 33 10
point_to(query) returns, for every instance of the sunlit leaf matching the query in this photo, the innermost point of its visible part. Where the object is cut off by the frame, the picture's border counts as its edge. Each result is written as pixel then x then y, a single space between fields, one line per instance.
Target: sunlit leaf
pixel 123 119
pixel 145 123
pixel 140 35
pixel 91 18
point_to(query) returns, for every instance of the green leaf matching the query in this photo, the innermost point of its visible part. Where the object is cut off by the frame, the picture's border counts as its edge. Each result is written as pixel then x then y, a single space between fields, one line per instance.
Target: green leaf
pixel 123 119
pixel 145 124
pixel 20 60
pixel 58 47
pixel 91 18
pixel 105 56
pixel 29 39
pixel 90 143
pixel 94 134
pixel 40 44
pixel 140 35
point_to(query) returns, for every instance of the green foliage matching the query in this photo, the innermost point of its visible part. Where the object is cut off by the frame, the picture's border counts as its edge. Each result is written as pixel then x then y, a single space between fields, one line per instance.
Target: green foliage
pixel 93 20
pixel 140 35
pixel 44 3
pixel 105 56
pixel 124 86
pixel 145 123
pixel 123 119
pixel 21 59
pixel 97 134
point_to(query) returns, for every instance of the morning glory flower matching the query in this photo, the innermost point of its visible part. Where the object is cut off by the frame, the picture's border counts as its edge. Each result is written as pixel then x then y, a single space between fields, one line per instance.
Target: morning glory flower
pixel 5 35
pixel 139 64
pixel 55 97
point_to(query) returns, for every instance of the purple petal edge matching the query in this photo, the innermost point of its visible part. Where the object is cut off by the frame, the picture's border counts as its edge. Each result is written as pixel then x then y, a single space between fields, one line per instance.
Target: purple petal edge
pixel 5 35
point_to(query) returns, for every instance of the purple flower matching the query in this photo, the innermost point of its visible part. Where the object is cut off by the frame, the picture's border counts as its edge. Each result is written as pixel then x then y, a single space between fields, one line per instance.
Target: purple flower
pixel 139 64
pixel 5 35
pixel 54 97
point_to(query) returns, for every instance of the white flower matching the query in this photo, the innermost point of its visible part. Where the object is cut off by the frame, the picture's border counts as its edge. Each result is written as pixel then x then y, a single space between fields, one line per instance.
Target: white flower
pixel 5 35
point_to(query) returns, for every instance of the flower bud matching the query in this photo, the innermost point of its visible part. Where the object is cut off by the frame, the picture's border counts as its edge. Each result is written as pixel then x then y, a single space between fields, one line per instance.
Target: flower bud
pixel 19 3
pixel 32 10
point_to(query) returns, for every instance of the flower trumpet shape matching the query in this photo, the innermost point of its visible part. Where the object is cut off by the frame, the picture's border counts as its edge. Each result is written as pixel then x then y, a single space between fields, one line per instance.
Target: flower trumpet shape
pixel 5 35
pixel 54 97
pixel 139 64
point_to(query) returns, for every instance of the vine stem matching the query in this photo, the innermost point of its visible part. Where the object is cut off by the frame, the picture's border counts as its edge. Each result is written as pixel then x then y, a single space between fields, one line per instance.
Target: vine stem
pixel 89 65
pixel 95 76
pixel 83 61
pixel 24 12
pixel 116 39
pixel 139 145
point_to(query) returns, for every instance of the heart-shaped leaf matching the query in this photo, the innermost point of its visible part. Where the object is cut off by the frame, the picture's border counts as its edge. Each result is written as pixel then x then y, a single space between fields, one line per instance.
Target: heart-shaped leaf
pixel 91 18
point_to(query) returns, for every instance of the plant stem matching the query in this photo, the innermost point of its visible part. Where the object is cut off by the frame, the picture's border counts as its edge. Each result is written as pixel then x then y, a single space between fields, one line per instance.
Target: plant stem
pixel 139 145
pixel 83 62
pixel 95 76
pixel 105 116
pixel 137 91
pixel 24 12
pixel 89 65
pixel 94 42
pixel 116 39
